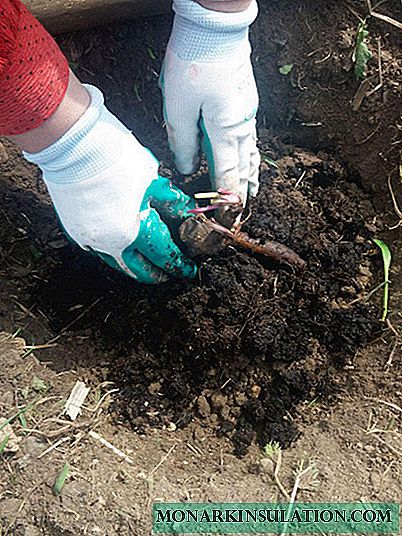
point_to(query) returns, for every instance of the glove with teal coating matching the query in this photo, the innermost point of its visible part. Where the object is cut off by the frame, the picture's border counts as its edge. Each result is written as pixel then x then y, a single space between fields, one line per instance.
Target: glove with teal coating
pixel 209 88
pixel 110 199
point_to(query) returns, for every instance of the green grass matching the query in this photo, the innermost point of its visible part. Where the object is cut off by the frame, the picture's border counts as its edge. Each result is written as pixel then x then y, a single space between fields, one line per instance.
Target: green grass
pixel 386 260
pixel 361 54
pixel 61 480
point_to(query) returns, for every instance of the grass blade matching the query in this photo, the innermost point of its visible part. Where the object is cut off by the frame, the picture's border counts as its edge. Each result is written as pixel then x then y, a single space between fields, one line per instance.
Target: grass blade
pixel 386 260
pixel 61 480
pixel 15 416
pixel 3 444
pixel 268 160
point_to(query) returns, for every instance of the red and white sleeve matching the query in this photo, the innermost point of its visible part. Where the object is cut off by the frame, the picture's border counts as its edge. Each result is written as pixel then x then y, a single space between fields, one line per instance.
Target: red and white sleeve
pixel 33 70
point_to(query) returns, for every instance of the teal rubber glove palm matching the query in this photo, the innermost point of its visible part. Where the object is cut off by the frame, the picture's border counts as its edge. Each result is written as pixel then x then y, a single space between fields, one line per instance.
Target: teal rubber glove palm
pixel 110 199
pixel 210 94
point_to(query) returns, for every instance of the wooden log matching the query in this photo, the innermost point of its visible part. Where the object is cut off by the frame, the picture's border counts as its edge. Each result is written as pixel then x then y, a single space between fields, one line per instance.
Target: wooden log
pixel 68 15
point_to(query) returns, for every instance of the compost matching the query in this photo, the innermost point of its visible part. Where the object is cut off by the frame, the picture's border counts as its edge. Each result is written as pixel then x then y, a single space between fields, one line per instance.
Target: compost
pixel 242 346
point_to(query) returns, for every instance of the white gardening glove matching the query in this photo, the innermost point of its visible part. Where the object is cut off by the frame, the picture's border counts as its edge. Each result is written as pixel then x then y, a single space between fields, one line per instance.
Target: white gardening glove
pixel 107 193
pixel 208 83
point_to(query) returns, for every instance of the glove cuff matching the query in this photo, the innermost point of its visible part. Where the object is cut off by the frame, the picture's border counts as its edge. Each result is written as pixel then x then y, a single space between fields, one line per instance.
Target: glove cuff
pixel 87 149
pixel 200 34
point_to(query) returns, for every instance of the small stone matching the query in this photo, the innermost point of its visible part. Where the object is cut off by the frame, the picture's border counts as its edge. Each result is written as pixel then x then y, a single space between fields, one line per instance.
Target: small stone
pixel 11 445
pixel 266 466
pixel 204 409
pixel 225 412
pixel 240 399
pixel 369 448
pixel 171 427
pixel 348 289
pixel 218 401
pixel 34 445
pixel 154 388
pixel 376 481
pixel 213 419
pixel 256 391
pixel 199 435
pixel 30 530
pixel 7 399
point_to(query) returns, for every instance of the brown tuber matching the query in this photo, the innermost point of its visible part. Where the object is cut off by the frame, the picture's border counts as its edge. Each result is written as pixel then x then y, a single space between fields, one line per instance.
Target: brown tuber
pixel 203 236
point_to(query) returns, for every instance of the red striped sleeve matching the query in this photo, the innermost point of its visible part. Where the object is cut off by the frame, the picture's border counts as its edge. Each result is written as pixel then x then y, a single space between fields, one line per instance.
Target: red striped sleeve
pixel 33 71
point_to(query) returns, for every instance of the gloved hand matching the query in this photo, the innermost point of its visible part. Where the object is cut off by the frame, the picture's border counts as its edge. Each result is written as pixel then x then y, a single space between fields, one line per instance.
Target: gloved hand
pixel 208 83
pixel 109 198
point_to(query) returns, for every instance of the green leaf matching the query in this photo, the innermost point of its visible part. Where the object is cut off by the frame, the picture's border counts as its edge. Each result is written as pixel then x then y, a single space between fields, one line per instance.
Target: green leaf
pixel 61 480
pixel 38 385
pixel 386 260
pixel 361 53
pixel 25 392
pixel 151 53
pixel 36 254
pixel 268 160
pixel 271 449
pixel 286 69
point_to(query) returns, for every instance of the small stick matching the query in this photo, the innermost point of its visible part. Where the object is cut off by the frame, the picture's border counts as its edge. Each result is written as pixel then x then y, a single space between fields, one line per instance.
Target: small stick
pixel 395 203
pixel 380 82
pixel 27 496
pixel 299 477
pixel 54 446
pixel 162 460
pixel 391 405
pixel 391 355
pixel 40 346
pixel 70 324
pixel 385 18
pixel 103 398
pixel 390 447
pixel 111 447
pixel 207 195
pixel 299 180
pixel 276 476
pixel 77 397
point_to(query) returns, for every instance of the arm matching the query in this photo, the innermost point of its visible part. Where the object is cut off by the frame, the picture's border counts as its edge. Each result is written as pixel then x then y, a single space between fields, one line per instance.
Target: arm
pixel 227 6
pixel 104 185
pixel 74 104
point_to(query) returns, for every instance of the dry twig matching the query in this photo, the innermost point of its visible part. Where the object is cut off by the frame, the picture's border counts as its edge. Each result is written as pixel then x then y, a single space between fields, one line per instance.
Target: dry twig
pixel 162 460
pixel 276 476
pixel 395 203
pixel 111 447
pixel 382 17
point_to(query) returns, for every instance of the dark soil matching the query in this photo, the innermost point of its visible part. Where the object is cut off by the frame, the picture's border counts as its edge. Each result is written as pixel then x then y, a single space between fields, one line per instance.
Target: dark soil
pixel 314 105
pixel 245 343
